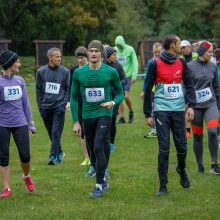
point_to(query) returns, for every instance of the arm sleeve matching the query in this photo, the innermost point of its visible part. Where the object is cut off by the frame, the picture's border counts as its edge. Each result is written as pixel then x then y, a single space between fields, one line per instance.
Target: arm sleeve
pixel 189 85
pixel 150 80
pixel 216 87
pixel 74 98
pixel 38 89
pixel 122 75
pixel 26 104
pixel 134 64
pixel 118 88
pixel 71 77
pixel 67 87
pixel 145 78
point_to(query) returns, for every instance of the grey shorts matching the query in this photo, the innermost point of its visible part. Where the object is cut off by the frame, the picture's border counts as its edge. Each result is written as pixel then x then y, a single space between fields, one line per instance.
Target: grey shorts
pixel 127 87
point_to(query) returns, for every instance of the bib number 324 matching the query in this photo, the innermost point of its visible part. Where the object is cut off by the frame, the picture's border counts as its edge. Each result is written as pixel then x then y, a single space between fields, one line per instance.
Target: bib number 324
pixel 95 94
pixel 203 95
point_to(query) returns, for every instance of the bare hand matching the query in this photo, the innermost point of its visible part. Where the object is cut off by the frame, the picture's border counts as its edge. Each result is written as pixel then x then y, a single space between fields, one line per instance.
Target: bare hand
pixel 142 95
pixel 150 122
pixel 68 106
pixel 189 114
pixel 107 105
pixel 77 128
pixel 133 81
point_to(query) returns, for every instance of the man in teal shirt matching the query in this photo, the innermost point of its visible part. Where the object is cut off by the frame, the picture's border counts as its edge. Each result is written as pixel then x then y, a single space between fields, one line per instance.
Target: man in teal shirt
pixel 94 82
pixel 126 56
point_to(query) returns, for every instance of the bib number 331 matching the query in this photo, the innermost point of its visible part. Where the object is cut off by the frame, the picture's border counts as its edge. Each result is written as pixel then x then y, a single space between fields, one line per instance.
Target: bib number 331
pixel 95 94
pixel 12 93
pixel 203 95
pixel 173 91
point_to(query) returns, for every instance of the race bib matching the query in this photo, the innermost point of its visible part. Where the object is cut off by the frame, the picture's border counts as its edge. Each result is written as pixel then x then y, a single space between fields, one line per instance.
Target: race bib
pixel 95 94
pixel 203 95
pixel 122 60
pixel 12 93
pixel 52 88
pixel 173 91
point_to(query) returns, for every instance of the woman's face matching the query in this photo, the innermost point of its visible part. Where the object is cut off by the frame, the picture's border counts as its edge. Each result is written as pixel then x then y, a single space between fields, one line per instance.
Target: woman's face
pixel 15 67
pixel 208 54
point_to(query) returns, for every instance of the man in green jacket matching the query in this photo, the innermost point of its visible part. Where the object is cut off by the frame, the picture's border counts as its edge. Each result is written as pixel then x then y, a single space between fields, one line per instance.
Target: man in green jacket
pixel 126 56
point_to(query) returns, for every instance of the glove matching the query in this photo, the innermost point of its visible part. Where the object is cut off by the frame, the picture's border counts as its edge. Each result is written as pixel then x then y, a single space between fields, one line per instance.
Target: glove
pixel 32 128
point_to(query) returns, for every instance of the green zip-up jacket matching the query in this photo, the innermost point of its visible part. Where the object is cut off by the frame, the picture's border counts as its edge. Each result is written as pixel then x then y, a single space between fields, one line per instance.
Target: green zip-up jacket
pixel 94 86
pixel 127 58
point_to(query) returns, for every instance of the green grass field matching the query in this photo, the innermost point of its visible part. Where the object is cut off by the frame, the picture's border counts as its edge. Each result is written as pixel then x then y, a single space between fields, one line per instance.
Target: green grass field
pixel 62 192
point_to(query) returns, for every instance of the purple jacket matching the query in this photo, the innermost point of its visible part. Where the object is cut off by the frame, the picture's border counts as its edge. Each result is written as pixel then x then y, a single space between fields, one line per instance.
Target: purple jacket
pixel 15 108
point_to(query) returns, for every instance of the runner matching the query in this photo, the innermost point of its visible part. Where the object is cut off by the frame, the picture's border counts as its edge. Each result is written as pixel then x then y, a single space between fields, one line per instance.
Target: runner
pixel 112 61
pixel 81 54
pixel 126 56
pixel 52 90
pixel 207 87
pixel 157 48
pixel 15 119
pixel 94 82
pixel 168 73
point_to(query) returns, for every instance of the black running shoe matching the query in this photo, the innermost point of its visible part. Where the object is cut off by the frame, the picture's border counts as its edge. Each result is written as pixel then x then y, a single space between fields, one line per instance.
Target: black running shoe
pixel 131 117
pixel 184 179
pixel 121 120
pixel 162 191
pixel 215 169
pixel 201 169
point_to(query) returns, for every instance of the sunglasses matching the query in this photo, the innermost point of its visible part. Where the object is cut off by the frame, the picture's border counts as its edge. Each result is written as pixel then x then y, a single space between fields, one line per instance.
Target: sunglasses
pixel 183 47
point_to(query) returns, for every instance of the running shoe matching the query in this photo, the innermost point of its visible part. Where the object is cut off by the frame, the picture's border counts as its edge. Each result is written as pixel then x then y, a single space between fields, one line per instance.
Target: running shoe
pixel 215 169
pixel 105 187
pixel 162 191
pixel 184 179
pixel 5 193
pixel 188 134
pixel 91 172
pixel 52 160
pixel 60 157
pixel 151 135
pixel 96 192
pixel 86 162
pixel 112 147
pixel 121 120
pixel 131 117
pixel 30 186
pixel 201 169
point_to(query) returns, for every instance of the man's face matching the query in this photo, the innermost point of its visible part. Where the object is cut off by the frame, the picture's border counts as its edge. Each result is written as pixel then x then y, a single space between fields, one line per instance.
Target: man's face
pixel 112 58
pixel 94 55
pixel 81 60
pixel 55 58
pixel 176 46
pixel 185 50
pixel 208 54
pixel 119 46
pixel 157 51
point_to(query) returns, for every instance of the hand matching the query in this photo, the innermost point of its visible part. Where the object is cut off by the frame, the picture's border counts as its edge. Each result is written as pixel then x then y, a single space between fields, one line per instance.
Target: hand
pixel 133 81
pixel 142 95
pixel 189 114
pixel 32 128
pixel 68 106
pixel 150 122
pixel 107 105
pixel 77 128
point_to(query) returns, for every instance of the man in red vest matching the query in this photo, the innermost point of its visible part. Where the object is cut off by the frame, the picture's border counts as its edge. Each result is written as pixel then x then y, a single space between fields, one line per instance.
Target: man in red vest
pixel 168 73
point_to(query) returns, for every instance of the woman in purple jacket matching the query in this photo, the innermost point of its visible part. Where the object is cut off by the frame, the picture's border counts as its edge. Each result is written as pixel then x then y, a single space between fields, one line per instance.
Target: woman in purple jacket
pixel 15 119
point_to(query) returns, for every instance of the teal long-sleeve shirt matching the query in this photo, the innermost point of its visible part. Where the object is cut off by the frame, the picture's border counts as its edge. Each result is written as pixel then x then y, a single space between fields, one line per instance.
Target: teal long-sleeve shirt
pixel 95 89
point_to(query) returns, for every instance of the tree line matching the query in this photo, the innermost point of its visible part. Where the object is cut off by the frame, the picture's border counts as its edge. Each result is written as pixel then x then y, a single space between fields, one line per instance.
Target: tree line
pixel 79 21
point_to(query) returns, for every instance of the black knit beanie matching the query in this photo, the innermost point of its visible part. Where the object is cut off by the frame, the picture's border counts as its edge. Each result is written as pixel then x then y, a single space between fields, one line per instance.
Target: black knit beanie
pixel 203 48
pixel 81 52
pixel 109 51
pixel 7 59
pixel 96 44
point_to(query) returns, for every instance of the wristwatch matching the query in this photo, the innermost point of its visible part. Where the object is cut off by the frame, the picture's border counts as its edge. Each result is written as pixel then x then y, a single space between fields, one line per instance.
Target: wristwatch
pixel 31 123
pixel 113 103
